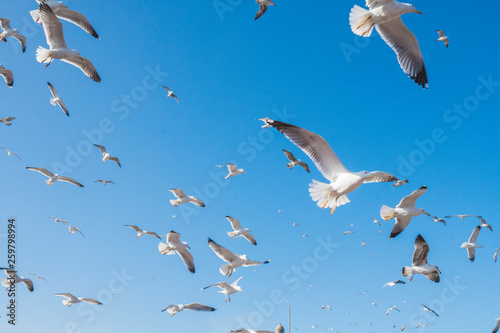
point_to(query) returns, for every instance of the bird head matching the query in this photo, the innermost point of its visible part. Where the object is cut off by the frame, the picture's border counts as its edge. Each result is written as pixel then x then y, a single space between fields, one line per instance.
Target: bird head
pixel 413 9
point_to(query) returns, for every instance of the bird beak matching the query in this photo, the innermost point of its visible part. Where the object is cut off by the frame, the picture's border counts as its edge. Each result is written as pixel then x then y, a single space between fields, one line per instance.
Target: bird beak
pixel 427 214
pixel 418 12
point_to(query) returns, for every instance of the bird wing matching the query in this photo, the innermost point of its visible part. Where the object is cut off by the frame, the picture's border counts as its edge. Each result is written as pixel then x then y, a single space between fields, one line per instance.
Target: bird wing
pixel 235 283
pixel 235 224
pixel 187 258
pixel 305 166
pixel 222 252
pixel 112 158
pixel 381 177
pixel 66 295
pixel 475 233
pixel 409 200
pixel 43 171
pixel 85 66
pixel 63 107
pixel 254 263
pixel 175 97
pixel 70 180
pixel 405 44
pixel 91 301
pixel 152 233
pixel 21 39
pixel 197 202
pixel 5 24
pixel 249 237
pixel 231 167
pixel 166 88
pixel 53 90
pixel 400 225
pixel 262 10
pixel 421 252
pixel 376 3
pixel 173 237
pixel 179 193
pixel 289 155
pixel 29 284
pixel 76 18
pixel 7 76
pixel 497 326
pixel 318 150
pixel 136 228
pixel 222 285
pixel 52 27
pixel 440 32
pixel 102 148
pixel 198 307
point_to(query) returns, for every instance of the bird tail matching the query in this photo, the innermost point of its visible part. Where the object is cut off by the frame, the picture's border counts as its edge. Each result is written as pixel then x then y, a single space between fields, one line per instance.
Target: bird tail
pixel 407 271
pixel 175 202
pixel 66 302
pixel 5 282
pixel 35 14
pixel 320 191
pixel 231 233
pixel 359 18
pixel 464 245
pixel 289 165
pixel 165 249
pixel 225 269
pixel 387 213
pixel 42 54
pixel 54 103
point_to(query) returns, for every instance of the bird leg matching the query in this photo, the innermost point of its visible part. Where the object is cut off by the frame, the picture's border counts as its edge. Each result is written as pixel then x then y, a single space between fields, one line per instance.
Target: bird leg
pixel 411 277
pixel 334 206
pixel 328 199
pixel 364 33
pixel 49 62
pixel 359 26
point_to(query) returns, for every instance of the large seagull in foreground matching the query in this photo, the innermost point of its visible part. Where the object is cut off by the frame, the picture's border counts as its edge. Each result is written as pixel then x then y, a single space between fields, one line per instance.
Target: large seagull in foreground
pixel 54 177
pixel 419 263
pixel 342 181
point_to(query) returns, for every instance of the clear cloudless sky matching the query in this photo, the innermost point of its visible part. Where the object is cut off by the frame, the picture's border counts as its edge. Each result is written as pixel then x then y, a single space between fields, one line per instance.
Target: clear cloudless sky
pixel 299 63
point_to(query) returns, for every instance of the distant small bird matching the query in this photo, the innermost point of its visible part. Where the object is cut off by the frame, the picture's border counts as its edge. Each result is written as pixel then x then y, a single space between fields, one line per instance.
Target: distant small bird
pixel 14 278
pixel 419 263
pixel 374 304
pixel 38 276
pixel 183 198
pixel 314 326
pixel 70 299
pixel 219 166
pixel 174 216
pixel 294 161
pixel 56 220
pixel 484 224
pixel 106 156
pixel 9 32
pixel 363 243
pixel 173 309
pixel 443 38
pixel 149 277
pixel 73 229
pixel 392 308
pixel 430 310
pixel 437 219
pixel 7 121
pixel 173 246
pixel 347 233
pixel 305 235
pixel 263 7
pixel 325 307
pixel 497 326
pixel 233 170
pixel 141 232
pixel 463 216
pixel 472 245
pixel 171 94
pixel 393 283
pixel 105 182
pixel 56 100
pixel 279 329
pixel 376 221
pixel 400 182
pixel 54 177
pixel 240 231
pixel 362 293
pixel 9 153
pixel 496 254
pixel 380 232
pixel 403 328
pixel 7 76
pixel 227 289
pixel 421 325
pixel 294 224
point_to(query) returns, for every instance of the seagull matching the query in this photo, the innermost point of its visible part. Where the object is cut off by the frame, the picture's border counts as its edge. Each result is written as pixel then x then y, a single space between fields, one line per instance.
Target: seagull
pixel 233 170
pixel 9 153
pixel 363 243
pixel 58 49
pixel 497 326
pixel 437 219
pixel 380 232
pixel 347 233
pixel 484 224
pixel 7 121
pixel 149 277
pixel 227 289
pixel 376 221
pixel 56 100
pixel 219 166
pixel 66 14
pixel 342 181
pixel 393 283
pixel 70 299
pixel 105 182
pixel 244 330
pixel 400 182
pixel 496 254
pixel 471 245
pixel 174 245
pixel 38 276
pixel 171 94
pixel 7 76
pixel 174 216
pixel 325 307
pixel 429 309
pixel 386 16
pixel 294 224
pixel 56 220
pixel 362 293
pixel 13 278
pixel 183 198
pixel 419 262
pixel 9 32
pixel 106 156
pixel 240 231
pixel 173 309
pixel 404 211
pixel 442 37
pixel 73 229
pixel 279 329
pixel 391 309
pixel 141 232
pixel 463 216
pixel 294 161
pixel 305 235
pixel 54 177
pixel 233 260
pixel 263 7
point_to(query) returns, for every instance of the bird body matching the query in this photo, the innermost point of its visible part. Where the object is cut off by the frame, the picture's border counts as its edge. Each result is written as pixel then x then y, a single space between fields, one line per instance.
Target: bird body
pixel 107 156
pixel 227 289
pixel 173 246
pixel 420 264
pixel 294 161
pixel 56 100
pixel 9 32
pixel 233 170
pixel 443 38
pixel 13 278
pixel 263 7
pixel 239 231
pixel 70 299
pixel 173 309
pixel 141 232
pixel 7 121
pixel 183 198
pixel 171 94
pixel 471 245
pixel 53 177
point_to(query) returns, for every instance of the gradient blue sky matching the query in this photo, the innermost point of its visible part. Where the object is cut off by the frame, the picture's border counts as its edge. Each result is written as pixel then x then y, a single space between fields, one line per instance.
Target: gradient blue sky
pixel 227 71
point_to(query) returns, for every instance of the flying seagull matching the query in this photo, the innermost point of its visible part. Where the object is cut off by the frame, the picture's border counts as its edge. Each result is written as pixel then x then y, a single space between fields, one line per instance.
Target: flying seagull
pixel 58 49
pixel 38 276
pixel 429 309
pixel 244 330
pixel 13 278
pixel 7 121
pixel 173 309
pixel 484 224
pixel 106 156
pixel 385 15
pixel 400 182
pixel 70 299
pixel 392 308
pixel 393 283
pixel 342 181
pixel 9 153
pixel 174 245
pixel 54 177
pixel 376 221
pixel 9 32
pixel 66 14
pixel 171 94
pixel 496 254
pixel 105 182
pixel 463 216
pixel 404 211
pixel 472 245
pixel 294 161
pixel 233 170
pixel 56 100
pixel 442 37
pixel 183 198
pixel 419 262
pixel 263 7
pixel 71 228
pixel 7 76
pixel 437 219
pixel 233 260
pixel 294 224
pixel 240 231
pixel 141 232
pixel 227 289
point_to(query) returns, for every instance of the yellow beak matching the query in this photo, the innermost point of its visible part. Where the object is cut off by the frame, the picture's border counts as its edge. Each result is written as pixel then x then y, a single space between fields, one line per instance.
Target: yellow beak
pixel 418 12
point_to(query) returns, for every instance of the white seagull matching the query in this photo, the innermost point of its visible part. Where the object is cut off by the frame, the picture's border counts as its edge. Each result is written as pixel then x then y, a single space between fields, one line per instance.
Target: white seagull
pixel 173 309
pixel 105 182
pixel 400 182
pixel 484 224
pixel 233 170
pixel 70 299
pixel 393 283
pixel 106 156
pixel 14 278
pixel 239 231
pixel 437 219
pixel 376 221
pixel 71 228
pixel 58 49
pixel 391 309
pixel 263 7
pixel 472 245
pixel 141 232
pixel 429 309
pixel 66 14
pixel 463 216
pixel 183 198
pixel 38 276
pixel 419 262
pixel 9 32
pixel 244 330
pixel 442 37
pixel 294 161
pixel 9 153
pixel 7 121
pixel 174 245
pixel 56 100
pixel 227 289
pixel 7 76
pixel 233 260
pixel 385 15
pixel 404 211
pixel 54 177
pixel 496 254
pixel 342 181
pixel 171 94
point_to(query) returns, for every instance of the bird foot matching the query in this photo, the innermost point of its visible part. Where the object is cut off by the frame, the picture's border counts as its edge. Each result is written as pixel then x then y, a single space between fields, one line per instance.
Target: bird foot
pixel 328 199
pixel 359 26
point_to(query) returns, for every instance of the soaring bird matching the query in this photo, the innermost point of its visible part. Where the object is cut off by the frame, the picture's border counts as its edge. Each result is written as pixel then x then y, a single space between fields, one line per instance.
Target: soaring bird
pixel 7 121
pixel 173 309
pixel 141 232
pixel 443 38
pixel 404 211
pixel 54 177
pixel 70 299
pixel 233 260
pixel 342 181
pixel 263 7
pixel 58 49
pixel 9 153
pixel 38 276
pixel 183 198
pixel 171 94
pixel 7 76
pixel 107 156
pixel 105 182
pixel 56 100
pixel 496 254
pixel 239 230
pixel 472 245
pixel 385 15
pixel 393 283
pixel 426 308
pixel 400 182
pixel 233 170
pixel 392 308
pixel 484 224
pixel 71 228
pixel 437 219
pixel 419 262
pixel 174 245
pixel 13 278
pixel 227 289
pixel 244 330
pixel 9 32
pixel 294 161
pixel 463 216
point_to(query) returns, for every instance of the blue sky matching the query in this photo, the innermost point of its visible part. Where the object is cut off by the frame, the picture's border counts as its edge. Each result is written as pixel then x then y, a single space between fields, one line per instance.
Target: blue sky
pixel 227 71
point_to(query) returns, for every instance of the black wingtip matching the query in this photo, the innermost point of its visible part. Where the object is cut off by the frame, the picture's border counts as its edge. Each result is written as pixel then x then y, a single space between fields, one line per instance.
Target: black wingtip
pixel 423 187
pixel 267 261
pixel 210 240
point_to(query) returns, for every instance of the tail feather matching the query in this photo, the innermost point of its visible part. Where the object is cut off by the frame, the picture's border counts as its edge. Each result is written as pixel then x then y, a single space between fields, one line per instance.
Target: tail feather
pixel 165 249
pixel 320 191
pixel 175 202
pixel 360 20
pixel 52 101
pixel 5 282
pixel 42 54
pixel 66 302
pixel 35 14
pixel 407 271
pixel 231 233
pixel 224 269
pixel 387 212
